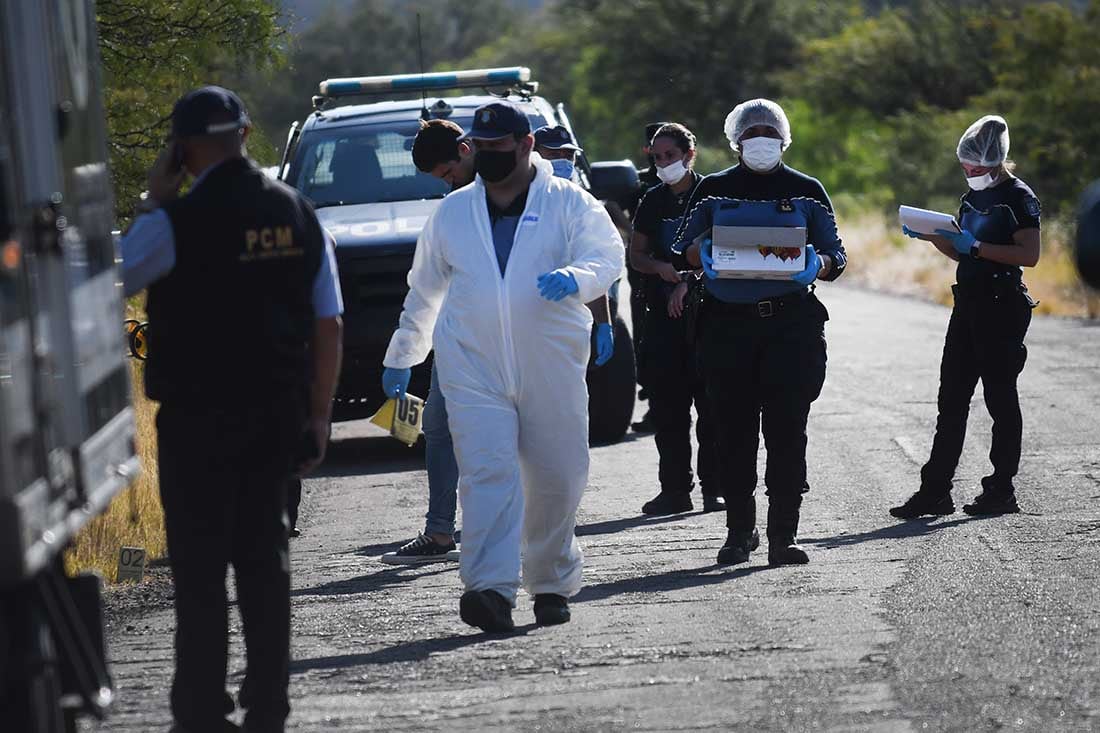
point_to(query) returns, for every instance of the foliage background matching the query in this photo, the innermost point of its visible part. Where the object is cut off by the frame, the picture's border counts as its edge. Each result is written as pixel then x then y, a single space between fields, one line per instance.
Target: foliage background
pixel 878 91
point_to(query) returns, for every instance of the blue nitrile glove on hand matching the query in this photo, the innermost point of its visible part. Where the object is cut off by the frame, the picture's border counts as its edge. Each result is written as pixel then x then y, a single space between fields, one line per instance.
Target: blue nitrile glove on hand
pixel 962 241
pixel 707 259
pixel 557 284
pixel 813 267
pixel 395 382
pixel 605 343
pixel 909 232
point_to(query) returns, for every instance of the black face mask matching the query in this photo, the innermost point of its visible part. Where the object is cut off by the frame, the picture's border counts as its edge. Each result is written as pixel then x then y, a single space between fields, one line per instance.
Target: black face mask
pixel 495 165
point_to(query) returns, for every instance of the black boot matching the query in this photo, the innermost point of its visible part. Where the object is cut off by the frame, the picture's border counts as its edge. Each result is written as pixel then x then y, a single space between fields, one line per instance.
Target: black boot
pixel 994 499
pixel 713 504
pixel 738 546
pixel 487 610
pixel 743 537
pixel 668 502
pixel 924 502
pixel 551 609
pixel 783 549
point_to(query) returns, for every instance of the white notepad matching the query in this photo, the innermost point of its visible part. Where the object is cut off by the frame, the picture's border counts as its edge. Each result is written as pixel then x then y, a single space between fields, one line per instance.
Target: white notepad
pixel 924 221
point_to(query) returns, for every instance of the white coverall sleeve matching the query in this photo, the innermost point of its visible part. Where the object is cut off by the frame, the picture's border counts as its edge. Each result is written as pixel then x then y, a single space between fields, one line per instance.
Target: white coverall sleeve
pixel 428 281
pixel 597 248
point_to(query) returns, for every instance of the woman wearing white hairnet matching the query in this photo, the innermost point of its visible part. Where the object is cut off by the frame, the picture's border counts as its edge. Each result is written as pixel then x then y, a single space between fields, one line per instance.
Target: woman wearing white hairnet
pixel 762 342
pixel 499 282
pixel 999 217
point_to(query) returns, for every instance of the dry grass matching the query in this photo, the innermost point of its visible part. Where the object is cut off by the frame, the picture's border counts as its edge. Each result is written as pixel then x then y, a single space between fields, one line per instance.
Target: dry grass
pixel 135 517
pixel 883 259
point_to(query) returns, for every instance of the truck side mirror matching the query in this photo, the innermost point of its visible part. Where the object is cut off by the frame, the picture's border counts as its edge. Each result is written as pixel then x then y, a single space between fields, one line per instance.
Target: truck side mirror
pixel 615 181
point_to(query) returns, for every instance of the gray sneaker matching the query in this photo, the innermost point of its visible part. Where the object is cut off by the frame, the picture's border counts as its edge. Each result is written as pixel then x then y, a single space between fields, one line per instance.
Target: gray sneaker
pixel 421 550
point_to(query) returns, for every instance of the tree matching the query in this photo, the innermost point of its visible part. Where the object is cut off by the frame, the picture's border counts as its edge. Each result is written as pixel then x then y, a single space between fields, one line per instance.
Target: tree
pixel 374 37
pixel 155 50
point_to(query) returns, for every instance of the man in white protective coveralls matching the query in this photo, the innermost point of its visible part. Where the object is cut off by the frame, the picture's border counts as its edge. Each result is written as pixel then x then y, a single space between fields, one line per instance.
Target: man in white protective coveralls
pixel 502 272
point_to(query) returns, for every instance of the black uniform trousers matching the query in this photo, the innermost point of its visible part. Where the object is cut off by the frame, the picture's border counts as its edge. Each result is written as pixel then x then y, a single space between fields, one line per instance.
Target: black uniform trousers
pixel 223 483
pixel 763 373
pixel 637 326
pixel 985 340
pixel 674 385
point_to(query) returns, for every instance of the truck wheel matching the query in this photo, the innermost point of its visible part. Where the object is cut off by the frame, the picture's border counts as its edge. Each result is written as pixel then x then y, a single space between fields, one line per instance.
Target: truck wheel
pixel 611 391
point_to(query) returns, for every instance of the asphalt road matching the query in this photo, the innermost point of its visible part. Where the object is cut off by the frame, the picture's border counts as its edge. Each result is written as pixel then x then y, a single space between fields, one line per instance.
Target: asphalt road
pixel 953 624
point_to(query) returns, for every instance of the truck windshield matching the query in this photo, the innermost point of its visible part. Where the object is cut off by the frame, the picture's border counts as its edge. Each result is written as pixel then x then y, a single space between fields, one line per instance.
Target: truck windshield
pixel 367 164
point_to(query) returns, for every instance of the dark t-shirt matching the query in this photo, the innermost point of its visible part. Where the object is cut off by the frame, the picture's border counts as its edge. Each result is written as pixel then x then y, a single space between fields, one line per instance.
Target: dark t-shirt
pixel 659 215
pixel 994 216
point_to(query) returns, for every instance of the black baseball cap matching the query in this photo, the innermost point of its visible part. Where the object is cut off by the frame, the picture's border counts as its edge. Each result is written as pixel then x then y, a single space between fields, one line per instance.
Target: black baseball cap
pixel 555 138
pixel 497 120
pixel 651 130
pixel 208 110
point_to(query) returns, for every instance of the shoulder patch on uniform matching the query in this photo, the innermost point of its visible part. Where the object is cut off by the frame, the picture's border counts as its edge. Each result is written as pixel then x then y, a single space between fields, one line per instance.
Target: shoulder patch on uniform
pixel 1031 205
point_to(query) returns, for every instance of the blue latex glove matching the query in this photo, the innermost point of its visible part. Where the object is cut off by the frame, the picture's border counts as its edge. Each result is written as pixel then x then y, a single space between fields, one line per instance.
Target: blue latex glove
pixel 605 343
pixel 962 241
pixel 395 381
pixel 909 232
pixel 707 260
pixel 813 267
pixel 557 284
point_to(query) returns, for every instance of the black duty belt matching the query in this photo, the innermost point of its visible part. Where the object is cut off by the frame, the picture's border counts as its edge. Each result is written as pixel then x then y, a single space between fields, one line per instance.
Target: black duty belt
pixel 760 309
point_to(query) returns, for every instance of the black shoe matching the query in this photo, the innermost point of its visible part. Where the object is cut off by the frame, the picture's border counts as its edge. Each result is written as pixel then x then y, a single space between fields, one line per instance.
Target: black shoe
pixel 713 504
pixel 551 609
pixel 645 425
pixel 667 502
pixel 786 552
pixel 228 726
pixel 737 548
pixel 295 532
pixel 990 504
pixel 422 549
pixel 487 610
pixel 922 503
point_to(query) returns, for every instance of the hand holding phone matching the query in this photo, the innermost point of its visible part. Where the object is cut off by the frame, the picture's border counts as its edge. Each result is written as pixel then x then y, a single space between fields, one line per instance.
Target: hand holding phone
pixel 167 172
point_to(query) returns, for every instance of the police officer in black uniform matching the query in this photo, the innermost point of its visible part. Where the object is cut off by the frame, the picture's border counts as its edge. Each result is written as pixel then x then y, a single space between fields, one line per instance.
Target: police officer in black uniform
pixel 242 408
pixel 674 384
pixel 647 179
pixel 999 218
pixel 762 342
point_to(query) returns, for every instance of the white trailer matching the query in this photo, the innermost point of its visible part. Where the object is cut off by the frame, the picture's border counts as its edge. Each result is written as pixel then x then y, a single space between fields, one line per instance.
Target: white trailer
pixel 66 426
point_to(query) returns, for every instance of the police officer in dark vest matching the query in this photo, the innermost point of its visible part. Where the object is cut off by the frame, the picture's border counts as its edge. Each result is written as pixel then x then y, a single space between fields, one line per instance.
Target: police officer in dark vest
pixel 244 348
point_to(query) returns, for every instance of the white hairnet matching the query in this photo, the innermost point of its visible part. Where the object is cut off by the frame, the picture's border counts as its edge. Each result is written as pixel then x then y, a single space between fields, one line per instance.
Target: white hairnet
pixel 757 112
pixel 985 143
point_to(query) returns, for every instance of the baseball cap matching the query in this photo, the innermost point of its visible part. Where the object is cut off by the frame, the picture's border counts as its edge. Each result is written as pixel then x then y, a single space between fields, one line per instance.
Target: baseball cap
pixel 497 120
pixel 651 130
pixel 208 110
pixel 555 138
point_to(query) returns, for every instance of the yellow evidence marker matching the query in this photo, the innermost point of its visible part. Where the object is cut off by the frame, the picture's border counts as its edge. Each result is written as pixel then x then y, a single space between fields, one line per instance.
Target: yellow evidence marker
pixel 401 418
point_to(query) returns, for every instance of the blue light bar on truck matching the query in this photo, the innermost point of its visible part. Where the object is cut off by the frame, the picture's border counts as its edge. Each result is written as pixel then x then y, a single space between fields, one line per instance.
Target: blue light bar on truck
pixel 503 77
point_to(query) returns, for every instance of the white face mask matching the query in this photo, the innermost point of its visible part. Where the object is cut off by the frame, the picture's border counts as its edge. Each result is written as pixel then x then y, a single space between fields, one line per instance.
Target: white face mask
pixel 761 153
pixel 673 172
pixel 980 183
pixel 563 168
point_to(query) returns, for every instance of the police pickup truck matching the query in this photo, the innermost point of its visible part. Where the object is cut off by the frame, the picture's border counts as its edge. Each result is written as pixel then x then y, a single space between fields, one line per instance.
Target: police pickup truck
pixel 355 163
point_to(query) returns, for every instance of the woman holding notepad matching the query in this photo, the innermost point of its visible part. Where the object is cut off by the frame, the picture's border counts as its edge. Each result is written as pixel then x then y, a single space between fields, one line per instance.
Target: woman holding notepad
pixel 999 223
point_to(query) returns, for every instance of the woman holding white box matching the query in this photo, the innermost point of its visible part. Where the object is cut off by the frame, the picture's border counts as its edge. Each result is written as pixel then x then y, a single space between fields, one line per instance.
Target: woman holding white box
pixel 762 341
pixel 999 235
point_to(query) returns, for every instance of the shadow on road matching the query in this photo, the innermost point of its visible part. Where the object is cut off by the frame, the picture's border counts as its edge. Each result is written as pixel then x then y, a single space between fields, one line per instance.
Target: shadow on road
pixel 901 530
pixel 410 651
pixel 618 525
pixel 365 456
pixel 663 582
pixel 371 581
